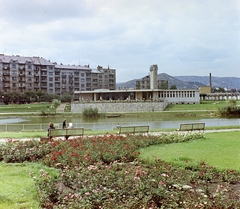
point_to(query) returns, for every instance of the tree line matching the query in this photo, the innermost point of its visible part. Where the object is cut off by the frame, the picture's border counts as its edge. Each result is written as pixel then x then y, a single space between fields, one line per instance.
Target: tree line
pixel 31 96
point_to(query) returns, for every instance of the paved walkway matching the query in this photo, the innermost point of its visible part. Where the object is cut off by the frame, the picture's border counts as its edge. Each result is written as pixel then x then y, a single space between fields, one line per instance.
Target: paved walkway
pixel 153 133
pixel 61 108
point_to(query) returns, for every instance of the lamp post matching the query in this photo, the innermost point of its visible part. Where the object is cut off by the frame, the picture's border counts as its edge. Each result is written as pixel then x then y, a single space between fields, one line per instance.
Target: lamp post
pixel 3 99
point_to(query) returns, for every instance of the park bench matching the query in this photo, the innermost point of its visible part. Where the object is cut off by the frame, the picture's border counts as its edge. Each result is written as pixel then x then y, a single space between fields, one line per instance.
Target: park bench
pixel 192 127
pixel 133 129
pixel 66 132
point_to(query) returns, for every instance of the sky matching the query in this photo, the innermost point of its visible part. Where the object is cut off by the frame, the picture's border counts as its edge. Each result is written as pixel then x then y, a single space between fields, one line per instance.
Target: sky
pixel 182 37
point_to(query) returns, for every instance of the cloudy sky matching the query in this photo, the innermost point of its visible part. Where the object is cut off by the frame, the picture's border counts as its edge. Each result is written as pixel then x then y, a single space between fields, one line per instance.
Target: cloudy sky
pixel 183 37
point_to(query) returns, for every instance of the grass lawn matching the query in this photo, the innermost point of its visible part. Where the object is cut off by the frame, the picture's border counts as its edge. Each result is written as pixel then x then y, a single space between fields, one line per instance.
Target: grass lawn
pixel 221 150
pixel 17 188
pixel 204 105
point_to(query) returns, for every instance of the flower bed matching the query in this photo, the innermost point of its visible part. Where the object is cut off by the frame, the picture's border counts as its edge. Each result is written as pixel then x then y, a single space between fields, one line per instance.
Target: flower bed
pixel 103 172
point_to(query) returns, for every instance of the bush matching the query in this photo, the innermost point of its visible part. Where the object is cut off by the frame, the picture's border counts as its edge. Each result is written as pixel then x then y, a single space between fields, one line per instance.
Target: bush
pixel 90 112
pixel 103 172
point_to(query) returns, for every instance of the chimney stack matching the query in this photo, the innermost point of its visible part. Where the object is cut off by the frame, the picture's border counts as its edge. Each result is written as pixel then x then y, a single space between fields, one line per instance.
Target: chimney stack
pixel 210 82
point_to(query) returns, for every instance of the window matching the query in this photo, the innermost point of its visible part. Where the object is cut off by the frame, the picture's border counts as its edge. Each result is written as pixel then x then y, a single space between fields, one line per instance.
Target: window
pixel 82 74
pixel 13 65
pixel 29 67
pixel 50 73
pixel 14 78
pixel 50 79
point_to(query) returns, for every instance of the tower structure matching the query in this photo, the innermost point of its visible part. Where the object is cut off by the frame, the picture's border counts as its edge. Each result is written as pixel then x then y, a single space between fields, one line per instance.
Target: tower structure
pixel 153 77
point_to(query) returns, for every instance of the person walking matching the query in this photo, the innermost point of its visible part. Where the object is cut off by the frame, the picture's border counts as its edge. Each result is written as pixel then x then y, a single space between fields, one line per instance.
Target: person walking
pixel 64 125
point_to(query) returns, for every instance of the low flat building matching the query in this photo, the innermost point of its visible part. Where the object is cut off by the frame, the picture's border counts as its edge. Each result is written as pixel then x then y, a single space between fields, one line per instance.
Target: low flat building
pixel 158 95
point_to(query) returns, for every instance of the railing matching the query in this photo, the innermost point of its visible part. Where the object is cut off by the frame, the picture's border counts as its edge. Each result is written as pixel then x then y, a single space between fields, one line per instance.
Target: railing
pixel 44 127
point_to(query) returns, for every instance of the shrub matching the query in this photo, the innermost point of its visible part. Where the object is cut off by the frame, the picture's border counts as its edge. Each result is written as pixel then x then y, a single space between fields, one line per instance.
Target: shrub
pixel 103 172
pixel 90 112
pixel 230 110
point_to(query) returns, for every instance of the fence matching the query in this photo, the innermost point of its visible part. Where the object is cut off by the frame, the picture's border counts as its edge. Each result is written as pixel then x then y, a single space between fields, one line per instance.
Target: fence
pixel 44 127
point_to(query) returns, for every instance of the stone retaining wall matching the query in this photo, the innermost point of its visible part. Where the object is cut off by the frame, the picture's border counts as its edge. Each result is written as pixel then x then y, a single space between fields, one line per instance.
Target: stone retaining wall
pixel 120 107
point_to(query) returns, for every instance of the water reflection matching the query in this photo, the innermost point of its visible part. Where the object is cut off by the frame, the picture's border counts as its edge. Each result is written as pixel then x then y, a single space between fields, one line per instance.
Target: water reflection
pixel 12 120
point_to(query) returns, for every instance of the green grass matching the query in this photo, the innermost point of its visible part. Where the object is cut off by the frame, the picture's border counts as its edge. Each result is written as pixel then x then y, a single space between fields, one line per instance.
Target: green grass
pixel 25 108
pixel 203 106
pixel 38 134
pixel 221 150
pixel 17 188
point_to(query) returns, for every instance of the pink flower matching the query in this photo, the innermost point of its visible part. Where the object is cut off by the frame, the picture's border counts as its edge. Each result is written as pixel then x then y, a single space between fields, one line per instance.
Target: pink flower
pixel 87 194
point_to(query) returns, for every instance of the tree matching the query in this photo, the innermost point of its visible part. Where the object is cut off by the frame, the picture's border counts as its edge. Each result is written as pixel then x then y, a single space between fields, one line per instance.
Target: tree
pixel 173 86
pixel 66 98
pixel 13 97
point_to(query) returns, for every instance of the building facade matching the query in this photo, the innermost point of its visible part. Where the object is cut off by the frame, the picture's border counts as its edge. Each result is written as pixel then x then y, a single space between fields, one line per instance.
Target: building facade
pixel 151 81
pixel 146 97
pixel 21 74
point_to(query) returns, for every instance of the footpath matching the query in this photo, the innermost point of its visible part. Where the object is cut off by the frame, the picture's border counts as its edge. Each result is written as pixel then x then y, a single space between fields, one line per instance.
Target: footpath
pixel 151 133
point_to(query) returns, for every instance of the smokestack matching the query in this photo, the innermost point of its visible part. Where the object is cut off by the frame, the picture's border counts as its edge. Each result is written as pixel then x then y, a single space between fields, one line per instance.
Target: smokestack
pixel 210 82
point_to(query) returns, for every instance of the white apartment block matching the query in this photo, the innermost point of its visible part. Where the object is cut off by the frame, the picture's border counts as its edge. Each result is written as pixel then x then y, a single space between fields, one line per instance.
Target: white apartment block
pixel 20 74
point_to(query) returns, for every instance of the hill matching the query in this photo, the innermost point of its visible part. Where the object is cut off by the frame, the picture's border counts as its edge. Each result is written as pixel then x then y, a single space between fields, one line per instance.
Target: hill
pixel 190 82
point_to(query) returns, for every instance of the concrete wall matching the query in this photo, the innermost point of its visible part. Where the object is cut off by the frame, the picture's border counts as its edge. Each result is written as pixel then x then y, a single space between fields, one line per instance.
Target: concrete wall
pixel 120 107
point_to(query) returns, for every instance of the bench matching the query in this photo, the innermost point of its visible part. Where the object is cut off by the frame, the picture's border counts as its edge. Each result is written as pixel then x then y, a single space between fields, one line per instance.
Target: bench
pixel 66 132
pixel 192 127
pixel 133 129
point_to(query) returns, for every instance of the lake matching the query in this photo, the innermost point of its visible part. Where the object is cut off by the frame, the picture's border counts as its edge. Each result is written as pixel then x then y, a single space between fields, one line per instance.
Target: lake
pixel 110 123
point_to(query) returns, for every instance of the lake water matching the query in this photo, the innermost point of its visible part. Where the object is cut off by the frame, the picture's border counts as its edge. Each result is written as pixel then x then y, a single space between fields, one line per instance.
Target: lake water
pixel 110 123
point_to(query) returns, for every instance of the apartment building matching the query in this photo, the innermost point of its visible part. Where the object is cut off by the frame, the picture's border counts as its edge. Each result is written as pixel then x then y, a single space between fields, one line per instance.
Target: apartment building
pixel 18 73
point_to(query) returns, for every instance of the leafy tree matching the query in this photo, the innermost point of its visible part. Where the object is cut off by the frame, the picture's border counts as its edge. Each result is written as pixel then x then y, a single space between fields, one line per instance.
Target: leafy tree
pixel 66 98
pixel 173 86
pixel 56 103
pixel 218 90
pixel 14 97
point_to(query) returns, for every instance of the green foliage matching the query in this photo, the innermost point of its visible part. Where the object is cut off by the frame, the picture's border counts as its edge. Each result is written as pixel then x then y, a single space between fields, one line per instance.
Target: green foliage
pixel 173 86
pixel 90 112
pixel 230 109
pixel 103 172
pixel 218 90
pixel 66 98
pixel 32 96
pixel 56 103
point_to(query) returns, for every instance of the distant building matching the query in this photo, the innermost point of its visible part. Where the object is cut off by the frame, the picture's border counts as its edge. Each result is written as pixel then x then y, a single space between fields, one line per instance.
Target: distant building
pixel 147 91
pixel 20 74
pixel 151 81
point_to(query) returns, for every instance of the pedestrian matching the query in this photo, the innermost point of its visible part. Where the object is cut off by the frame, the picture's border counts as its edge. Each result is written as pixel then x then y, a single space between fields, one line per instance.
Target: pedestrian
pixel 70 125
pixel 64 125
pixel 51 126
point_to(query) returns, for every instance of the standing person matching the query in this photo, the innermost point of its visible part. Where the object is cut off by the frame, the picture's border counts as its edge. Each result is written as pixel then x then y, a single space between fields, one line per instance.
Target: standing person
pixel 51 126
pixel 64 125
pixel 70 125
